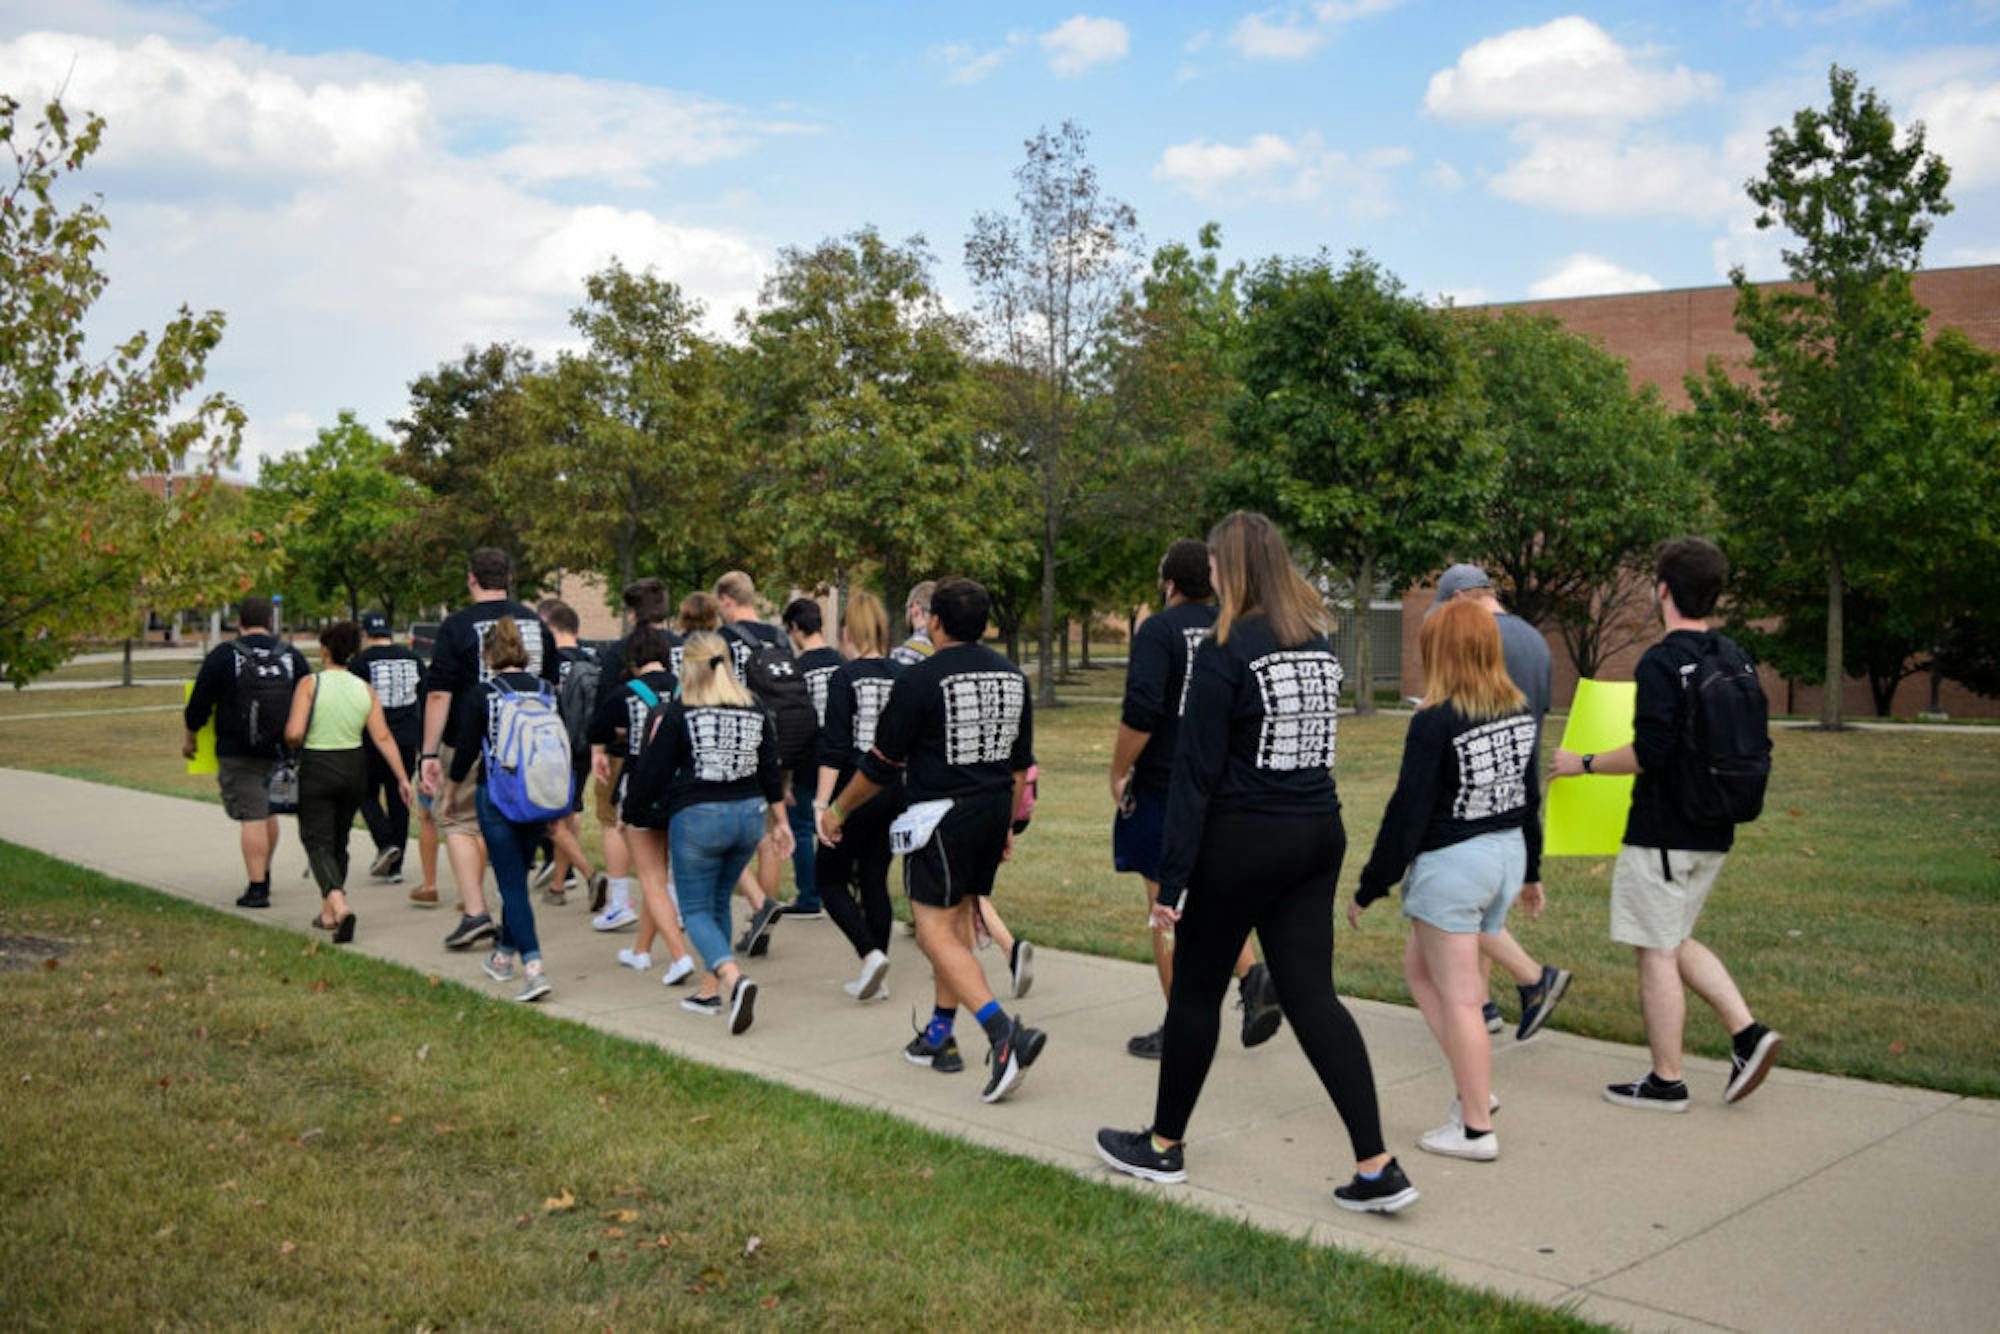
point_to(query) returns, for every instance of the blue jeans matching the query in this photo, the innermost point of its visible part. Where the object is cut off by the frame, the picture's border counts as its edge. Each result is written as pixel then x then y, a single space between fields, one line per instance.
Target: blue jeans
pixel 508 847
pixel 710 844
pixel 805 840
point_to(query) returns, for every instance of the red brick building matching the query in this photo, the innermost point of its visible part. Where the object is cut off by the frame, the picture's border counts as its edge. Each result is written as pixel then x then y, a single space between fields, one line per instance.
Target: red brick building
pixel 1667 336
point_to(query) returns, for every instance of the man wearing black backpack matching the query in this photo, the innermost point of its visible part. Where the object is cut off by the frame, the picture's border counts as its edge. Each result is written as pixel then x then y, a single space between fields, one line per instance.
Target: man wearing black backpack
pixel 1701 749
pixel 247 684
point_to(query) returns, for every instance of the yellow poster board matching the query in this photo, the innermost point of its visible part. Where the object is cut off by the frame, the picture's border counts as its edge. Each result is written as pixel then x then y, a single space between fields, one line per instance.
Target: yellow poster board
pixel 204 740
pixel 1586 815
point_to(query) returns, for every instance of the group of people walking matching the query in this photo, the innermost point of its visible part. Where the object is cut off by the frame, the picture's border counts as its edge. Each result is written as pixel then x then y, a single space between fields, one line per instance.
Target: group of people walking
pixel 723 747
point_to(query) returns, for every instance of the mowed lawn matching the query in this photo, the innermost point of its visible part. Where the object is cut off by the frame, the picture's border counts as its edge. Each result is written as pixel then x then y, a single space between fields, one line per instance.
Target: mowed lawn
pixel 1861 915
pixel 213 1124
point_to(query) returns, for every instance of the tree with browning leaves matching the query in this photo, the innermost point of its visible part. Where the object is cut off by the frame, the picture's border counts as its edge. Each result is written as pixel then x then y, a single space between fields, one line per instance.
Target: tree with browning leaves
pixel 1807 457
pixel 83 544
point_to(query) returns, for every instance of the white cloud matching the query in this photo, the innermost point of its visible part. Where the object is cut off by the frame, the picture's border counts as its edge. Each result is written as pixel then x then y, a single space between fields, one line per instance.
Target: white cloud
pixel 1587 175
pixel 1565 69
pixel 1585 274
pixel 1445 177
pixel 1962 125
pixel 967 64
pixel 1080 42
pixel 361 220
pixel 1272 168
pixel 1269 37
pixel 1199 42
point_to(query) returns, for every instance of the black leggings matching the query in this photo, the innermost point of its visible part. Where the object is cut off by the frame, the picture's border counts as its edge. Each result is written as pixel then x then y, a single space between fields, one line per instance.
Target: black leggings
pixel 1275 875
pixel 331 785
pixel 863 856
pixel 382 805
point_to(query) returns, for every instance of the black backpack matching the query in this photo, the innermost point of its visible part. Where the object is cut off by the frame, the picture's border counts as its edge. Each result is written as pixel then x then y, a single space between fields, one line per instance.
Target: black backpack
pixel 576 700
pixel 1722 761
pixel 260 699
pixel 773 676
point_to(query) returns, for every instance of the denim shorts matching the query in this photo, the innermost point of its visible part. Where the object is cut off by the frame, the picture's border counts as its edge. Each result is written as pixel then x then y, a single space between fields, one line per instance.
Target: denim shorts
pixel 1468 886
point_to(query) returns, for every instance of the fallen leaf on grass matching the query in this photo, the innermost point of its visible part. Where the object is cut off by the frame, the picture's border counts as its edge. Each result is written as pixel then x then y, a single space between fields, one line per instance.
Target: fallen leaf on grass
pixel 286 1247
pixel 614 1232
pixel 1598 869
pixel 1795 812
pixel 227 1185
pixel 424 1052
pixel 164 1233
pixel 395 1120
pixel 697 1120
pixel 312 948
pixel 1807 852
pixel 752 1246
pixel 444 1127
pixel 661 1243
pixel 319 985
pixel 622 1216
pixel 1898 1047
pixel 926 1173
pixel 714 1278
pixel 259 1205
pixel 769 1303
pixel 154 970
pixel 49 965
pixel 591 1258
pixel 311 1135
pixel 557 1204
pixel 434 979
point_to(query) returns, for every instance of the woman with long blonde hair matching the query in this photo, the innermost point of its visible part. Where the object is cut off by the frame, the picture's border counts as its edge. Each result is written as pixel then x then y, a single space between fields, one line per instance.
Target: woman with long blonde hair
pixel 711 770
pixel 1463 833
pixel 1254 843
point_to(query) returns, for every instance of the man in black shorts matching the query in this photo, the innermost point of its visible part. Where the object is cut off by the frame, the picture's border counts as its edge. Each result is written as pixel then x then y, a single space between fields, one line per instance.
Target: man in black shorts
pixel 958 732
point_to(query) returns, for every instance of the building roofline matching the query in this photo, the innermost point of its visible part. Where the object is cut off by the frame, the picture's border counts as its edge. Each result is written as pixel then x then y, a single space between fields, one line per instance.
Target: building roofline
pixel 1685 291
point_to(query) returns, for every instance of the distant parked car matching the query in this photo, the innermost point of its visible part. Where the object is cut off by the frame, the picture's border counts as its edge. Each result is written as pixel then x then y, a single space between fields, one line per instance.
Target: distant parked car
pixel 423 638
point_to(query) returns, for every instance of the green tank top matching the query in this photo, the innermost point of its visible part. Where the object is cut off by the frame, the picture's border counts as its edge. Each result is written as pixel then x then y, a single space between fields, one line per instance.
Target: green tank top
pixel 340 711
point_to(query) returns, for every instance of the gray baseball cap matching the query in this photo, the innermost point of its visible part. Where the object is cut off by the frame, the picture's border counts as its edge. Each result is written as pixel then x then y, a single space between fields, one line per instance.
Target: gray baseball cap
pixel 1459 578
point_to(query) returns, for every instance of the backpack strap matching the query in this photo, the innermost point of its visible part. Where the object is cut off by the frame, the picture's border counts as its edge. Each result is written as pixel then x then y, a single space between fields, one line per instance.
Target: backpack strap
pixel 645 692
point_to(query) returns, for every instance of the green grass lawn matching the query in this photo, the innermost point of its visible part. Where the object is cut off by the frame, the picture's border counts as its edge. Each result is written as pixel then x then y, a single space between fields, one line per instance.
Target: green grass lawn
pixel 1861 915
pixel 212 1123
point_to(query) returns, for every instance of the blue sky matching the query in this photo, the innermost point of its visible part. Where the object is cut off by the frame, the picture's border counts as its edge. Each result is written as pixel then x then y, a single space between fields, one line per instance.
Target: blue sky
pixel 367 187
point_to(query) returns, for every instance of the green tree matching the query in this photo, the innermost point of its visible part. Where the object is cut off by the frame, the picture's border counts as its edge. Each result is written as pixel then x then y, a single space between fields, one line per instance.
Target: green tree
pixel 1805 457
pixel 1358 427
pixel 345 510
pixel 857 396
pixel 624 455
pixel 83 543
pixel 1591 478
pixel 1962 516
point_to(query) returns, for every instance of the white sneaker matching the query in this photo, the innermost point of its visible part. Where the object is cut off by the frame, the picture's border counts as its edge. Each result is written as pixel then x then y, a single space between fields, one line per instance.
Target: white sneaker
pixel 854 989
pixel 1451 1141
pixel 615 918
pixel 874 969
pixel 1458 1111
pixel 679 971
pixel 634 960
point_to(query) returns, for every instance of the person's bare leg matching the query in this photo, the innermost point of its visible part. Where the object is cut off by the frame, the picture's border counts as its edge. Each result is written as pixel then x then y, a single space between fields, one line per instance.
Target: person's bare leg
pixel 996 929
pixel 332 907
pixel 1163 943
pixel 1452 960
pixel 1503 949
pixel 1245 961
pixel 257 840
pixel 427 848
pixel 1663 1004
pixel 569 851
pixel 1706 976
pixel 617 853
pixel 1417 974
pixel 752 891
pixel 468 867
pixel 656 906
pixel 945 937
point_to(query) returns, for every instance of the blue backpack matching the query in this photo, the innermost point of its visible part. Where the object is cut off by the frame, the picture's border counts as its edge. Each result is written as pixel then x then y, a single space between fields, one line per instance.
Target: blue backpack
pixel 527 757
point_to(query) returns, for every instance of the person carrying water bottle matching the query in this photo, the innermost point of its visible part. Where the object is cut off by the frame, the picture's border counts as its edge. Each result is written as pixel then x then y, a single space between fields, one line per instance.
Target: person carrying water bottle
pixel 518 739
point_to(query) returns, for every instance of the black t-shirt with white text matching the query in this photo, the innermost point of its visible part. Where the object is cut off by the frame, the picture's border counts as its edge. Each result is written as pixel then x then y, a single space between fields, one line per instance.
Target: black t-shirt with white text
pixel 458 662
pixel 1156 681
pixel 618 723
pixel 707 753
pixel 958 724
pixel 856 694
pixel 396 674
pixel 1258 736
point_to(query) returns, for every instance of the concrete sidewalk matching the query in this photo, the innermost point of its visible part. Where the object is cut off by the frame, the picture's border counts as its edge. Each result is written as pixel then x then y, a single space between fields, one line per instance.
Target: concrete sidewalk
pixel 1819 1203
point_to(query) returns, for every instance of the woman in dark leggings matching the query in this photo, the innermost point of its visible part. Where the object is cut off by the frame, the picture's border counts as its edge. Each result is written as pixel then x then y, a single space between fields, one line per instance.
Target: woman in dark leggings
pixel 1254 842
pixel 860 861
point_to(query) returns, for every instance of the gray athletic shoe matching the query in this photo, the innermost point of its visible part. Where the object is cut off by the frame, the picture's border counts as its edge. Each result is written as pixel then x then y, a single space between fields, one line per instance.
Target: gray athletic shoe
pixel 534 985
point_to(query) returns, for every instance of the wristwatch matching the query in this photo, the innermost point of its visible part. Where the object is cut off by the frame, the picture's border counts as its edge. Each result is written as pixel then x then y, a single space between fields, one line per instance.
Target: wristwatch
pixel 1588 760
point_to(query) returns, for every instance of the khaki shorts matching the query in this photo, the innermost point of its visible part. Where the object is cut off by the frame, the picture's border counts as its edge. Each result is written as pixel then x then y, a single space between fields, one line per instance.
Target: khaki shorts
pixel 1650 910
pixel 607 795
pixel 456 809
pixel 245 781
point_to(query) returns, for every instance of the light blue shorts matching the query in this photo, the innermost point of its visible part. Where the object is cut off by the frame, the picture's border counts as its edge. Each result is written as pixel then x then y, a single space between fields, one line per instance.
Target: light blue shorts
pixel 1468 886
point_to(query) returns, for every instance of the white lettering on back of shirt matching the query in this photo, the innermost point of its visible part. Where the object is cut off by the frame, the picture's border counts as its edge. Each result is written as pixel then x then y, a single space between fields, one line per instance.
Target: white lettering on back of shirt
pixel 1193 634
pixel 722 743
pixel 871 695
pixel 395 681
pixel 817 680
pixel 982 716
pixel 1493 761
pixel 1301 693
pixel 531 639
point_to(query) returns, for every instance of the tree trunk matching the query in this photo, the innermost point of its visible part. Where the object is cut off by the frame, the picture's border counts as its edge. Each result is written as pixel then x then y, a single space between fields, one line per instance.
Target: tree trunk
pixel 1012 633
pixel 1836 630
pixel 128 662
pixel 1045 666
pixel 627 558
pixel 1062 652
pixel 1937 644
pixel 1083 663
pixel 1883 690
pixel 1364 659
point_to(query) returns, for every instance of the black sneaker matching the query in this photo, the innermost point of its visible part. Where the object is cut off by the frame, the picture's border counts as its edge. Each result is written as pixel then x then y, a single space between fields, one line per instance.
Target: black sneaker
pixel 253 897
pixel 1021 963
pixel 1651 1094
pixel 760 926
pixel 1132 1152
pixel 1147 1047
pixel 470 931
pixel 1539 1001
pixel 1258 995
pixel 943 1058
pixel 1494 1021
pixel 1389 1193
pixel 742 1005
pixel 805 912
pixel 600 888
pixel 1746 1072
pixel 1010 1059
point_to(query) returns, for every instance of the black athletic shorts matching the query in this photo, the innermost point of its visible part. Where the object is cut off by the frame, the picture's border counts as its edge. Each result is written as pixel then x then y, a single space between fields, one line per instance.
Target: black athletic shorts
pixel 964 852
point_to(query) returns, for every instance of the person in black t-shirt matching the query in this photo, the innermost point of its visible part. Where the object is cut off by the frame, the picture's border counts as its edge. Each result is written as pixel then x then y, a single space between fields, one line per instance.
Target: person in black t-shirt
pixel 226 683
pixel 818 661
pixel 453 696
pixel 564 846
pixel 735 600
pixel 1142 766
pixel 395 673
pixel 856 692
pixel 958 732
pixel 917 611
pixel 1669 863
pixel 1463 833
pixel 1254 842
